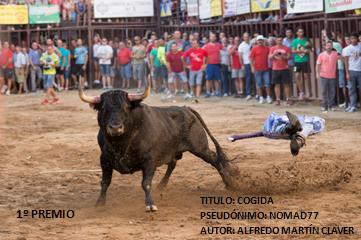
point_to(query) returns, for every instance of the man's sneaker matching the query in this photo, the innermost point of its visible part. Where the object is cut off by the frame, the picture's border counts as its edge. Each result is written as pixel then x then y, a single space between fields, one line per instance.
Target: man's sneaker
pixel 324 109
pixel 182 91
pixel 45 102
pixel 176 92
pixel 289 102
pixel 342 105
pixel 257 97
pixel 261 100
pixel 225 95
pixel 332 109
pixel 3 89
pixel 208 95
pixel 351 109
pixel 7 92
pixel 269 100
pixel 55 101
pixel 278 102
pixel 96 82
pixel 294 124
pixel 187 96
pixel 170 96
pixel 301 97
pixel 218 94
pixel 248 97
pixel 297 142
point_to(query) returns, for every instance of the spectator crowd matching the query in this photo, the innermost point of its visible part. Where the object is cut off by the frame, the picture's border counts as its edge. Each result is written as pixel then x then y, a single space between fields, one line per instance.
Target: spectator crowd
pixel 215 65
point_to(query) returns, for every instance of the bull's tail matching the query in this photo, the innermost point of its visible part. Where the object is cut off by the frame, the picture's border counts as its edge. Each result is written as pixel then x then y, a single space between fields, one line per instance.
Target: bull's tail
pixel 222 158
pixel 227 171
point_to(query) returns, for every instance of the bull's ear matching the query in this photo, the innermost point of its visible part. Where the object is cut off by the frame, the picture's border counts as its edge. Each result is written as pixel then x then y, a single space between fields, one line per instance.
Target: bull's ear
pixel 95 106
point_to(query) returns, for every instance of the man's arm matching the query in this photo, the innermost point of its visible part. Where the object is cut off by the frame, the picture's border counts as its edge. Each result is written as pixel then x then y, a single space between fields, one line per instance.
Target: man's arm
pixel 345 61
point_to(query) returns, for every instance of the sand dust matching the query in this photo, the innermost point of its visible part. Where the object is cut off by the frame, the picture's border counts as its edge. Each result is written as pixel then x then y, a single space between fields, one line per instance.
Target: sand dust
pixel 38 142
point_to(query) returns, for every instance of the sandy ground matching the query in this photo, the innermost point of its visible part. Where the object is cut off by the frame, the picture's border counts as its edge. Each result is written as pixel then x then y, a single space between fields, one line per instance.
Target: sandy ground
pixel 36 139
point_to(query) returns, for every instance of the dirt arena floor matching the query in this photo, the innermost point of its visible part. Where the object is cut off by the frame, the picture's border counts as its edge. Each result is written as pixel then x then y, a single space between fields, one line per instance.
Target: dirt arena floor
pixel 50 160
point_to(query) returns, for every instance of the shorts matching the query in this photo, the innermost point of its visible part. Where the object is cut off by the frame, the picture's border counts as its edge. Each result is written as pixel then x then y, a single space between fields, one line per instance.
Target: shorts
pixel 281 76
pixel 48 81
pixel 20 76
pixel 262 78
pixel 66 73
pixel 126 71
pixel 238 73
pixel 341 78
pixel 213 72
pixel 160 72
pixel 105 70
pixel 59 71
pixel 8 73
pixel 195 78
pixel 78 70
pixel 301 67
pixel 180 75
pixel 139 71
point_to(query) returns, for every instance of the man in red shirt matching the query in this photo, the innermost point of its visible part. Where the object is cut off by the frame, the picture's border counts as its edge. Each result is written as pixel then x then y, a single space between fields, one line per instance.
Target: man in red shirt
pixel 124 60
pixel 237 72
pixel 6 64
pixel 279 55
pixel 213 70
pixel 175 67
pixel 198 62
pixel 259 65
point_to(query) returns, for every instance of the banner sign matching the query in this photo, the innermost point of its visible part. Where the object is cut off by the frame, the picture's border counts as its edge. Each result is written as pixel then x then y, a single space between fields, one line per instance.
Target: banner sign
pixel 123 8
pixel 192 8
pixel 216 8
pixel 265 5
pixel 13 14
pixel 235 7
pixel 40 14
pixel 332 6
pixel 165 8
pixel 210 8
pixel 304 6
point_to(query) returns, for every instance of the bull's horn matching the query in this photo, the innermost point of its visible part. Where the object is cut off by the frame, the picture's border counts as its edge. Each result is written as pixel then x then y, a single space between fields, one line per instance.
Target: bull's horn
pixel 87 99
pixel 140 96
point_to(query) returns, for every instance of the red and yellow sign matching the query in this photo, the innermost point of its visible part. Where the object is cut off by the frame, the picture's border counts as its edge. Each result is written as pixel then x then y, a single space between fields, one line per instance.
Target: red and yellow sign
pixel 14 14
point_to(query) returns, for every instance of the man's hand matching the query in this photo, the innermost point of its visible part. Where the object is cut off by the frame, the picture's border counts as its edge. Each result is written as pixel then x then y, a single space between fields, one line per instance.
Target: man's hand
pixel 203 67
pixel 347 76
pixel 252 69
pixel 84 67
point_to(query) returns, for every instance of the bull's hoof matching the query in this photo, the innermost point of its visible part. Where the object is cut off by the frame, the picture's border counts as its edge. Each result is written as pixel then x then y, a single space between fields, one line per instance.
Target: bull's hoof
pixel 100 202
pixel 151 208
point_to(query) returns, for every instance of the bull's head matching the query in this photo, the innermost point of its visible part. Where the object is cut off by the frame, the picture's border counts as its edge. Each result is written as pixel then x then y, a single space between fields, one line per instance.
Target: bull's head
pixel 114 108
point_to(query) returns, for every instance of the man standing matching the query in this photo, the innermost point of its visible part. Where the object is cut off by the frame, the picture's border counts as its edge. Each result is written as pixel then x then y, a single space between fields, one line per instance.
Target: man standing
pixel 352 59
pixel 198 62
pixel 60 68
pixel 244 50
pixel 158 65
pixel 138 56
pixel 35 70
pixel 259 65
pixel 287 41
pixel 81 60
pixel 125 61
pixel 105 55
pixel 237 72
pixel 20 67
pixel 301 47
pixel 176 70
pixel 213 70
pixel 279 55
pixel 6 62
pixel 96 45
pixel 49 60
pixel 326 73
pixel 177 35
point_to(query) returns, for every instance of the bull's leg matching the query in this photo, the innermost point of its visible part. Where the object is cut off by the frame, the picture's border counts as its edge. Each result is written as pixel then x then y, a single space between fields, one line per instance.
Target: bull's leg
pixel 163 183
pixel 106 179
pixel 148 174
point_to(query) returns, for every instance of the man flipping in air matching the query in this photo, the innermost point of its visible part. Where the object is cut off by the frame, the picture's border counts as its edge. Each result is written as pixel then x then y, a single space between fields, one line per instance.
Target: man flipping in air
pixel 288 127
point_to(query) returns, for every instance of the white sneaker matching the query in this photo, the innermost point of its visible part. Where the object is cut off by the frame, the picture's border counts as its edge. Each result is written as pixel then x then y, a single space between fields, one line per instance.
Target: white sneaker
pixel 7 93
pixel 225 95
pixel 342 105
pixel 351 109
pixel 96 82
pixel 249 97
pixel 3 89
pixel 261 100
pixel 188 96
pixel 269 100
pixel 170 96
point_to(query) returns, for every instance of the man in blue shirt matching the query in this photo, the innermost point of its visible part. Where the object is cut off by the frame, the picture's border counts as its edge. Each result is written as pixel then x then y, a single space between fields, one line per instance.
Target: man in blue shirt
pixel 35 69
pixel 81 59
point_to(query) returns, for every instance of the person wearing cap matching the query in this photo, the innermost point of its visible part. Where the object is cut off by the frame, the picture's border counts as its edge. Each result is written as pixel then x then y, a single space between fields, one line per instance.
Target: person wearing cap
pixel 259 65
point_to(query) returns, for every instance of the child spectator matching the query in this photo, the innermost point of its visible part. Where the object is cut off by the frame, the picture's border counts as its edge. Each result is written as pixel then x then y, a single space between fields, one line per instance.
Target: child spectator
pixel 50 61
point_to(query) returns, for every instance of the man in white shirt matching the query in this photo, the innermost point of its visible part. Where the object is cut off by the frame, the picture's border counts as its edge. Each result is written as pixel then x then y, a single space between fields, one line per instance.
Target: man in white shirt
pixel 243 50
pixel 20 67
pixel 105 54
pixel 352 60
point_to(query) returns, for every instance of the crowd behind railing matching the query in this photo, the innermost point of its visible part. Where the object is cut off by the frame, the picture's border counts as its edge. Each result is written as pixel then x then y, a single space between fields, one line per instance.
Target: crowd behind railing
pixel 248 67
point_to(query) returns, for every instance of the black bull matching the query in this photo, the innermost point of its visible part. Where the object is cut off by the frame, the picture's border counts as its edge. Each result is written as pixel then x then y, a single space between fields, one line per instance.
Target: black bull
pixel 136 137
